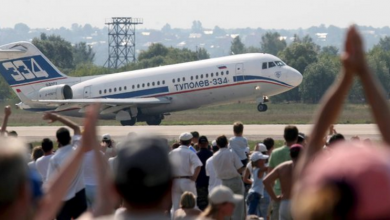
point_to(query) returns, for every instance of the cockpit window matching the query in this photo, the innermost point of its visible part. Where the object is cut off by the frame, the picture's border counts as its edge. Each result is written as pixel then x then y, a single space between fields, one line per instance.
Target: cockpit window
pixel 271 64
pixel 264 65
pixel 279 63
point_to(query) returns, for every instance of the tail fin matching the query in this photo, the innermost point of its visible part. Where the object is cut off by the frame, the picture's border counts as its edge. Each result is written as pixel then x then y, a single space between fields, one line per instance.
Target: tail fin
pixel 26 69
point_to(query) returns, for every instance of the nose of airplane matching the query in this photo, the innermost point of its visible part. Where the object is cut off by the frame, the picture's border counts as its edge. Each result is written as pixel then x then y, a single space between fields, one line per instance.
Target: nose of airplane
pixel 295 77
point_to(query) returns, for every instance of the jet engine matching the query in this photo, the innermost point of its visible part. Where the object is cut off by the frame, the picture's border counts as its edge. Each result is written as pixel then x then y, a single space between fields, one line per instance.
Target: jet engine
pixel 57 92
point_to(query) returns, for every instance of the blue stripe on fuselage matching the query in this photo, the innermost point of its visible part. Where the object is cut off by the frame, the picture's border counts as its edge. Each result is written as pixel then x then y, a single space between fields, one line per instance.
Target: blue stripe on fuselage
pixel 249 77
pixel 140 93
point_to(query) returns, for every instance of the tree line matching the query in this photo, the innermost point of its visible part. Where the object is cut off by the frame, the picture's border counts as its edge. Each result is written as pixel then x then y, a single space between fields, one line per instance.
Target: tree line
pixel 318 65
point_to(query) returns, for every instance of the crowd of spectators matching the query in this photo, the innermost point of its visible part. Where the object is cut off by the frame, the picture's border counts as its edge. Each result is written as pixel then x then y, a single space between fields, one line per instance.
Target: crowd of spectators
pixel 321 175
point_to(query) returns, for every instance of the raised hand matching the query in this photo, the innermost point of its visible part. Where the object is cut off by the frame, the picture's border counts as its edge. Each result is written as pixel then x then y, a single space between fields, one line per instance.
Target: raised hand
pixel 353 58
pixel 51 117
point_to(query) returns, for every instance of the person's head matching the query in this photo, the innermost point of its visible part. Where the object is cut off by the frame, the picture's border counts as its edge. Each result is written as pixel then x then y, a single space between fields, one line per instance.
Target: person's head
pixel 47 145
pixel 106 138
pixel 143 173
pixel 269 143
pixel 222 141
pixel 187 200
pixel 295 151
pixel 15 189
pixel 222 202
pixel 301 138
pixel 261 148
pixel 354 183
pixel 195 137
pixel 290 134
pixel 258 159
pixel 203 142
pixel 336 138
pixel 63 136
pixel 175 145
pixel 185 138
pixel 238 128
pixel 12 134
pixel 37 152
pixel 214 146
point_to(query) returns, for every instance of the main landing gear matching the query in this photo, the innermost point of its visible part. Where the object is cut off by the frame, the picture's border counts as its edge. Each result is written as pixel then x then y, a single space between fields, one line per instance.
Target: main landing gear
pixel 262 107
pixel 130 122
pixel 150 120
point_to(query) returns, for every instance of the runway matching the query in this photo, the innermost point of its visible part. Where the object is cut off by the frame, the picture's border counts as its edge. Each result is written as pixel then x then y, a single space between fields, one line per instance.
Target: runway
pixel 252 132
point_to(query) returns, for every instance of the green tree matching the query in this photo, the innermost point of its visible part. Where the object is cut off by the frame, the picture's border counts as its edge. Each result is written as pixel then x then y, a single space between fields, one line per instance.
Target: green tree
pixel 82 53
pixel 153 51
pixel 272 43
pixel 237 46
pixel 202 54
pixel 59 51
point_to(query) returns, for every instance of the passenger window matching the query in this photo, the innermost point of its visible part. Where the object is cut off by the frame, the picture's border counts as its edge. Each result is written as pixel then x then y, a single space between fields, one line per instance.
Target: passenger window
pixel 216 74
pixel 143 85
pixel 196 76
pixel 207 75
pixel 201 76
pixel 148 84
pixel 138 86
pixel 126 87
pixel 271 64
pixel 184 79
pixel 173 80
pixel 115 89
pixel 100 91
pixel 153 84
pixel 192 78
pixel 120 89
pixel 264 65
pixel 212 74
pixel 163 82
pixel 105 91
pixel 222 73
pixel 158 83
pixel 132 86
pixel 178 79
pixel 109 90
pixel 227 72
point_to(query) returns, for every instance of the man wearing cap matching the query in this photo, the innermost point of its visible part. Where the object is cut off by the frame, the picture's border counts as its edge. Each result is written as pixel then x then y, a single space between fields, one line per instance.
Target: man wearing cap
pixel 202 182
pixel 228 168
pixel 108 147
pixel 214 181
pixel 278 156
pixel 283 172
pixel 186 168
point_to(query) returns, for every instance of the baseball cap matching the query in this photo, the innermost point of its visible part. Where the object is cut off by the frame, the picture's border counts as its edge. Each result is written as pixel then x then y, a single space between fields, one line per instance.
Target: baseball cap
pixel 214 143
pixel 258 156
pixel 261 147
pixel 106 137
pixel 364 169
pixel 186 136
pixel 203 139
pixel 221 194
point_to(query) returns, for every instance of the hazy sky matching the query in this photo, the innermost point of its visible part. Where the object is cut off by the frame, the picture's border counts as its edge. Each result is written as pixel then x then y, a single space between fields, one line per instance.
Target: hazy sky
pixel 287 14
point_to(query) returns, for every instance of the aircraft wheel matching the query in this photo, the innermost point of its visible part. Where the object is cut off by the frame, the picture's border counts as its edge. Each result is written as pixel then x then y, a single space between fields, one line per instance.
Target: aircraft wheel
pixel 154 121
pixel 130 122
pixel 262 107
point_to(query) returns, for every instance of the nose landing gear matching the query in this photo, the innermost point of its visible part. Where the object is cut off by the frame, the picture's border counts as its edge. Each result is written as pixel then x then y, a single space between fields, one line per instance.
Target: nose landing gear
pixel 262 107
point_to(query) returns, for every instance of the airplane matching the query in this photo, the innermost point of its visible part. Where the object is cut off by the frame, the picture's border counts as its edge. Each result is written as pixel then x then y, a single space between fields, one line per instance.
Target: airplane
pixel 143 95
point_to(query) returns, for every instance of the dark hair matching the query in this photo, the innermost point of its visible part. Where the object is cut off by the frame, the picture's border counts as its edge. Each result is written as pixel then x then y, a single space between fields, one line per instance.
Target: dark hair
pixel 215 148
pixel 132 178
pixel 63 136
pixel 290 133
pixel 295 152
pixel 238 127
pixel 185 142
pixel 36 153
pixel 222 141
pixel 336 138
pixel 175 145
pixel 269 143
pixel 47 145
pixel 195 134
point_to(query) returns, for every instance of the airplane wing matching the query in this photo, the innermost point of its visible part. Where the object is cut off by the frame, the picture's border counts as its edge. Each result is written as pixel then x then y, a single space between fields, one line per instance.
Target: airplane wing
pixel 108 105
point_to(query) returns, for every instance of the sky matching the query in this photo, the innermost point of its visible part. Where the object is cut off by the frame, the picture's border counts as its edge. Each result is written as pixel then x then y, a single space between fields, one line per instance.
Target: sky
pixel 275 14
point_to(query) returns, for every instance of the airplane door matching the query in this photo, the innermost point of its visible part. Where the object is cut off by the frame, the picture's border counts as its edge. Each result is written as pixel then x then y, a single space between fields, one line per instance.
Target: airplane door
pixel 87 92
pixel 239 69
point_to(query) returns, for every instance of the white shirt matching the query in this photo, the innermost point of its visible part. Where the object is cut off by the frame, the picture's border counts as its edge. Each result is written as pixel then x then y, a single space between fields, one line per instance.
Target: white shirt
pixel 89 169
pixel 213 180
pixel 239 145
pixel 184 161
pixel 111 163
pixel 58 160
pixel 42 165
pixel 226 164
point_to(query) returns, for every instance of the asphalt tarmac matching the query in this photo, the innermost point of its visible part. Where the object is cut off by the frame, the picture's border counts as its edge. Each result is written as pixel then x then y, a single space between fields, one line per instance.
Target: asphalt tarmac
pixel 251 132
